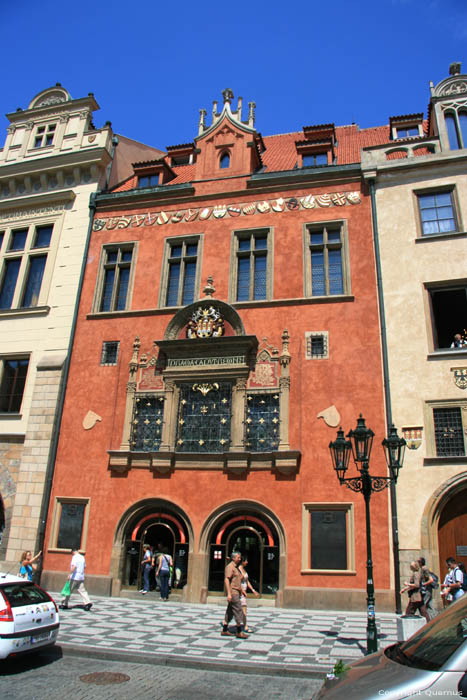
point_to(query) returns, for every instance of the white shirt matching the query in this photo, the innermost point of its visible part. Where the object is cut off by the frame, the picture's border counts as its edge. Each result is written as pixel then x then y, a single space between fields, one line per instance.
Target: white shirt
pixel 77 563
pixel 457 577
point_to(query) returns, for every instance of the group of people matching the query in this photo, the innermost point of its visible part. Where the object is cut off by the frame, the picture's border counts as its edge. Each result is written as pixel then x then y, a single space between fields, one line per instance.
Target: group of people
pixel 237 585
pixel 422 582
pixel 161 562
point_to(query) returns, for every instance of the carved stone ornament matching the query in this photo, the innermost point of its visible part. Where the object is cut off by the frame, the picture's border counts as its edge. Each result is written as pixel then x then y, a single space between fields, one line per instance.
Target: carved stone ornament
pixel 52 100
pixel 205 323
pixel 331 416
pixel 455 88
pixel 413 437
pixel 90 420
pixel 460 377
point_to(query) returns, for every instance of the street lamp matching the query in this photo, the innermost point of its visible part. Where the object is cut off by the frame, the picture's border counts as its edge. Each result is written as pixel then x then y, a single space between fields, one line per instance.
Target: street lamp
pixel 359 443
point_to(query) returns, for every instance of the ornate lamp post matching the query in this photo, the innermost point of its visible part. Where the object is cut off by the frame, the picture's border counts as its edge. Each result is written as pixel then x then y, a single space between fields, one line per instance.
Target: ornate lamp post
pixel 359 443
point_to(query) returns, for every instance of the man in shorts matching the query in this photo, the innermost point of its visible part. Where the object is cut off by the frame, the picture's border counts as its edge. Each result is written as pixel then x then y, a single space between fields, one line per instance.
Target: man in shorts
pixel 233 586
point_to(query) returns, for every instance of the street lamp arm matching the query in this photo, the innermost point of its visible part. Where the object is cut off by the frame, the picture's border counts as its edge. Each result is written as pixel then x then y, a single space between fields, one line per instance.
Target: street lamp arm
pixel 376 483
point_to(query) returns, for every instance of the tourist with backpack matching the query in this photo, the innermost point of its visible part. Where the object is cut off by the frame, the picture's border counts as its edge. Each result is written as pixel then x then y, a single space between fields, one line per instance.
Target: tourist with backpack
pixel 456 588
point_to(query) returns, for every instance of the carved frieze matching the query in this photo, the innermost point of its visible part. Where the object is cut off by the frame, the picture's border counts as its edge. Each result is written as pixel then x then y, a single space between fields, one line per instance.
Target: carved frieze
pixel 161 218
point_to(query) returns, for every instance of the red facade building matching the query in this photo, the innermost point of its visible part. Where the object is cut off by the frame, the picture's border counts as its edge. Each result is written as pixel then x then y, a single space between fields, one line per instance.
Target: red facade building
pixel 227 326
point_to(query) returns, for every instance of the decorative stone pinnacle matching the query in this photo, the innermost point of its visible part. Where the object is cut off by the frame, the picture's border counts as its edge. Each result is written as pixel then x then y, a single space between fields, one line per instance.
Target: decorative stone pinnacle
pixel 209 289
pixel 202 121
pixel 251 113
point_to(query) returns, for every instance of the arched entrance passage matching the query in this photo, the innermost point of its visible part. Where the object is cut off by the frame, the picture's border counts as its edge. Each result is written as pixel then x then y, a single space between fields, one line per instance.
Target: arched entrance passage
pixel 444 523
pixel 452 529
pixel 253 533
pixel 160 524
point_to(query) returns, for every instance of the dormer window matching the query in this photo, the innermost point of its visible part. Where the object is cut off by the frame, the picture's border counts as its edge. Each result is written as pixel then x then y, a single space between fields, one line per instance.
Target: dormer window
pixel 148 180
pixel 456 125
pixel 44 136
pixel 180 160
pixel 224 161
pixel 405 132
pixel 406 126
pixel 310 160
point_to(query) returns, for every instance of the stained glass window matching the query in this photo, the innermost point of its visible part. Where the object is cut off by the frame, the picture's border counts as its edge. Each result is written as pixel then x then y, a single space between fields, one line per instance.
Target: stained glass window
pixel 204 417
pixel 146 426
pixel 262 422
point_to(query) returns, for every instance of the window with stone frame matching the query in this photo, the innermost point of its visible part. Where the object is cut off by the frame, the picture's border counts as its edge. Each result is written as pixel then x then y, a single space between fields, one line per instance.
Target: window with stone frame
pixel 115 277
pixel 109 355
pixel 44 135
pixel 252 273
pixel 456 126
pixel 317 345
pixel 437 212
pixel 180 271
pixel 448 305
pixel 326 269
pixel 13 374
pixel 262 421
pixel 446 426
pixel 24 254
pixel 206 395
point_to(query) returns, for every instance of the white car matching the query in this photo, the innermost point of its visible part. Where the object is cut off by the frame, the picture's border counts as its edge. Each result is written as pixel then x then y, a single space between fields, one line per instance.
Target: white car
pixel 29 617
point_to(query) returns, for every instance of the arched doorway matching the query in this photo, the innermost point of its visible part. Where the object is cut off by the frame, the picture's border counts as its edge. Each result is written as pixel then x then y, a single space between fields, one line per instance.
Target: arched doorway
pixel 164 529
pixel 255 536
pixel 452 529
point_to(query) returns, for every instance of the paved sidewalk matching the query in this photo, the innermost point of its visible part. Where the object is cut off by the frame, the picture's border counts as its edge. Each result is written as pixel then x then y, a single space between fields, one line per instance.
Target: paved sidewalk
pixel 285 641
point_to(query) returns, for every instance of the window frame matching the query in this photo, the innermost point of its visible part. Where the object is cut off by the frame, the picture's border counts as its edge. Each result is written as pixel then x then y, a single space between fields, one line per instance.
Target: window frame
pixel 442 189
pixel 433 331
pixel 236 254
pixel 307 509
pixel 309 335
pixel 431 450
pixel 345 258
pixel 15 357
pixel 25 255
pixel 100 282
pixel 55 527
pixel 461 136
pixel 314 155
pixel 104 361
pixel 184 241
pixel 148 176
pixel 48 129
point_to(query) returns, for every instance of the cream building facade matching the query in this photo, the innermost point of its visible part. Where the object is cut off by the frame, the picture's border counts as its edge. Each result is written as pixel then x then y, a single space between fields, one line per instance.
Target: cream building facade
pixel 52 161
pixel 418 182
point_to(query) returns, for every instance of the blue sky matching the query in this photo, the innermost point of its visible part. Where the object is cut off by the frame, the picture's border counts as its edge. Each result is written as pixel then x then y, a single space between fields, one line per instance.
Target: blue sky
pixel 152 65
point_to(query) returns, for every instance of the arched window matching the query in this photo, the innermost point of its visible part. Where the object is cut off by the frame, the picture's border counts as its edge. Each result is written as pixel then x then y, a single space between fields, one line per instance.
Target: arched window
pixel 452 131
pixel 463 127
pixel 224 161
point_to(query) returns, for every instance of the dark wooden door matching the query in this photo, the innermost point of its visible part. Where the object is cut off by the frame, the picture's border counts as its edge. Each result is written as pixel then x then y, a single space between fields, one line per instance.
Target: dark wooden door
pixel 452 532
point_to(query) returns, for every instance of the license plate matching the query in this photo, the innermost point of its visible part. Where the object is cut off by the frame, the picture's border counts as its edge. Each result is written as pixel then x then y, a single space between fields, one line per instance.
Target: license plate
pixel 40 638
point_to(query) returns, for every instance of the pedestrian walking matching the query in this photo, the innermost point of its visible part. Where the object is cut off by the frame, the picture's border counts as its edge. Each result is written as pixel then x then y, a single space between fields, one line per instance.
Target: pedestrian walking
pixel 413 587
pixel 243 598
pixel 76 579
pixel 427 587
pixel 163 572
pixel 146 565
pixel 233 586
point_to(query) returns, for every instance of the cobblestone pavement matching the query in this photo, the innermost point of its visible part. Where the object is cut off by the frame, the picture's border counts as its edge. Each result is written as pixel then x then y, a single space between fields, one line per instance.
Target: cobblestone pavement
pixel 285 641
pixel 49 676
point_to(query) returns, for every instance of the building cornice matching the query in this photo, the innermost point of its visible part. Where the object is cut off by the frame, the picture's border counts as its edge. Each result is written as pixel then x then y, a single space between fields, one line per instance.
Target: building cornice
pixel 432 161
pixel 57 162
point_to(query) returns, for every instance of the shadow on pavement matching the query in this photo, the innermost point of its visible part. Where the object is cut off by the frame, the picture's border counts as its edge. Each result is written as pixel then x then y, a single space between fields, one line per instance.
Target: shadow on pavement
pixel 28 661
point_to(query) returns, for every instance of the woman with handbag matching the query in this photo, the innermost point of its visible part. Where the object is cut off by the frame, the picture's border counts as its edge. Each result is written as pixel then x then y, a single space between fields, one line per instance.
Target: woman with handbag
pixel 413 588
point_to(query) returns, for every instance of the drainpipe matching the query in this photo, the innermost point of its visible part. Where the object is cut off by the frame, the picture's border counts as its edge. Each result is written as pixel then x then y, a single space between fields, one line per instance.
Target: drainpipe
pixel 387 395
pixel 61 396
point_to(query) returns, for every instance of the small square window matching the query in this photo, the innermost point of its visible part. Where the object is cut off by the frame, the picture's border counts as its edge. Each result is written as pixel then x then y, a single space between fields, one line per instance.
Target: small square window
pixel 317 343
pixel 44 136
pixel 446 426
pixel 110 352
pixel 405 132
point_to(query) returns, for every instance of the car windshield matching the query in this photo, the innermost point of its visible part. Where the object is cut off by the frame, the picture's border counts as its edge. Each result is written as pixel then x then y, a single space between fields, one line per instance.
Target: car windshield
pixel 24 593
pixel 433 644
